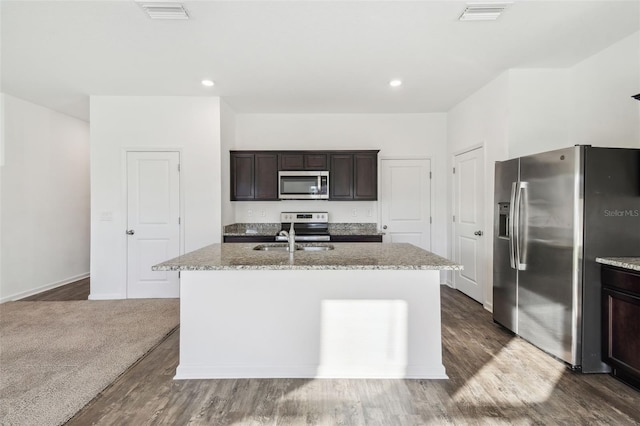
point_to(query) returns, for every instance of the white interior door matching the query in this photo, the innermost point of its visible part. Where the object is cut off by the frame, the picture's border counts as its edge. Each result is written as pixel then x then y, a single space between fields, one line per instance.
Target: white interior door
pixel 468 242
pixel 405 201
pixel 153 222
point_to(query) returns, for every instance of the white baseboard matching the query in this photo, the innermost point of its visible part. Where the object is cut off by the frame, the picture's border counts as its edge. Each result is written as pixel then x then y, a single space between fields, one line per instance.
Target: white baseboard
pixel 107 296
pixel 186 372
pixel 45 287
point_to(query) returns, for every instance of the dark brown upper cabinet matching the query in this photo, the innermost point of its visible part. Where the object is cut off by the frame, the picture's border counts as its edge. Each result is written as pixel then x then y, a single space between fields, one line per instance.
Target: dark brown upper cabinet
pixel 293 161
pixel 315 161
pixel 266 177
pixel 303 161
pixel 341 177
pixel 365 176
pixel 242 182
pixel 354 176
pixel 254 176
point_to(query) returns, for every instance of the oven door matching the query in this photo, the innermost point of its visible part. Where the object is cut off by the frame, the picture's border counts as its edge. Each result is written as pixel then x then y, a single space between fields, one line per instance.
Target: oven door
pixel 303 185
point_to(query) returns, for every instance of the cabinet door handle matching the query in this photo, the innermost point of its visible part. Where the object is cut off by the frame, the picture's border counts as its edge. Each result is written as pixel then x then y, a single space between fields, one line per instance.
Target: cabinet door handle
pixel 130 232
pixel 384 227
pixel 478 233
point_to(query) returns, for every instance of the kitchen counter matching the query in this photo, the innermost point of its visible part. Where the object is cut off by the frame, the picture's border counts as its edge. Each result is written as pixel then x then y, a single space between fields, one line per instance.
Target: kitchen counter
pixel 271 229
pixel 361 310
pixel 344 256
pixel 251 229
pixel 354 229
pixel 632 263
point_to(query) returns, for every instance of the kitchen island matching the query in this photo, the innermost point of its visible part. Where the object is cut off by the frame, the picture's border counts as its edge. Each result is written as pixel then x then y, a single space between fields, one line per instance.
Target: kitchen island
pixel 349 310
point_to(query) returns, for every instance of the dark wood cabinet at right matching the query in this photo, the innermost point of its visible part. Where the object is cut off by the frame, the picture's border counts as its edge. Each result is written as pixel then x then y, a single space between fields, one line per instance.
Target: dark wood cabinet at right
pixel 621 323
pixel 353 176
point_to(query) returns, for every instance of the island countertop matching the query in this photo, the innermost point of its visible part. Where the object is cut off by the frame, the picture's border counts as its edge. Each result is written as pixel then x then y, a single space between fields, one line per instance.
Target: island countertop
pixel 344 256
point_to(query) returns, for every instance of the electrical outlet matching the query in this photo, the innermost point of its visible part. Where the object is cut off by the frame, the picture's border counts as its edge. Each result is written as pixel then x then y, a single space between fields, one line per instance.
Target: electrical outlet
pixel 249 213
pixel 369 212
pixel 354 212
pixel 263 213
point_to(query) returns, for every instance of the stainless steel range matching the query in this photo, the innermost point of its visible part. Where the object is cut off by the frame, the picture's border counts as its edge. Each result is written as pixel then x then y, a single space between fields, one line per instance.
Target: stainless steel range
pixel 308 226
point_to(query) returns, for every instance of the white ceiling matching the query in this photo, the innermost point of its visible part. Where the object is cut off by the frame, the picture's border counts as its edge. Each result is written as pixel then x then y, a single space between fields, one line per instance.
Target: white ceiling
pixel 292 56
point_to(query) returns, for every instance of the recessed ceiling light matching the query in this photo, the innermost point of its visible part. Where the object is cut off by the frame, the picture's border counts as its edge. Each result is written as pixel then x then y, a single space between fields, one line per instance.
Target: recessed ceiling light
pixel 489 11
pixel 395 83
pixel 207 83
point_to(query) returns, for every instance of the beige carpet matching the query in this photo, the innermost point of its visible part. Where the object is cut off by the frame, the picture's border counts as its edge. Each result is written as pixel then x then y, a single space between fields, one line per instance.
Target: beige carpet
pixel 55 357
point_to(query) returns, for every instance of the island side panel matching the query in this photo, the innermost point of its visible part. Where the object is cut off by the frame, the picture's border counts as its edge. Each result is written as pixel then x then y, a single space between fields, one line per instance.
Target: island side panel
pixel 310 323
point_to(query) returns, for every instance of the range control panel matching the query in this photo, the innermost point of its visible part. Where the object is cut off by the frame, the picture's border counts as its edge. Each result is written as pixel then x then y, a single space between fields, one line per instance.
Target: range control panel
pixel 304 217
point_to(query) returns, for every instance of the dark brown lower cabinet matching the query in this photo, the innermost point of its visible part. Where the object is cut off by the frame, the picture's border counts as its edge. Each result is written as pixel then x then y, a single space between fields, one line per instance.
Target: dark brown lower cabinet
pixel 249 239
pixel 621 323
pixel 271 239
pixel 356 238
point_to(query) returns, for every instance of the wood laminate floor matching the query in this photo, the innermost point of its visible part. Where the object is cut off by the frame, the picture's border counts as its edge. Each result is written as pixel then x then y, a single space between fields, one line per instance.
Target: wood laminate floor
pixel 78 290
pixel 494 378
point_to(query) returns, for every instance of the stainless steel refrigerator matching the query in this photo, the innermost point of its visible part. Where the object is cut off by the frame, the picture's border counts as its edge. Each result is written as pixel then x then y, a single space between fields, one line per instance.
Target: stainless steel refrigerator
pixel 555 212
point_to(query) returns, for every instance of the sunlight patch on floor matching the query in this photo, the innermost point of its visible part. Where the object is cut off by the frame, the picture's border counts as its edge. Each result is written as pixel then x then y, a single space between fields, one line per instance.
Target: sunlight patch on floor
pixel 498 382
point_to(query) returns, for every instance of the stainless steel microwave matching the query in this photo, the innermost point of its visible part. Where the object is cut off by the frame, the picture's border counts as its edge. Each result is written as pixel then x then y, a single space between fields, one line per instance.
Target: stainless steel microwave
pixel 303 185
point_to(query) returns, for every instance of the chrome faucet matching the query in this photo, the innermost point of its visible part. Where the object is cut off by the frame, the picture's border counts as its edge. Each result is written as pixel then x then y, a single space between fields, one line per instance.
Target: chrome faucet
pixel 291 238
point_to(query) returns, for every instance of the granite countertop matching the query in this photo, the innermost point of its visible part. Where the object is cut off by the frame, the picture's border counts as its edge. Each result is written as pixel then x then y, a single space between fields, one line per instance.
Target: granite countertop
pixel 251 229
pixel 343 256
pixel 271 229
pixel 632 263
pixel 354 229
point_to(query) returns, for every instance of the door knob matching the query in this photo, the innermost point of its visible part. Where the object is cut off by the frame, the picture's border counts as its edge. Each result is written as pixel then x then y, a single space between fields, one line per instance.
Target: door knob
pixel 478 233
pixel 131 232
pixel 384 227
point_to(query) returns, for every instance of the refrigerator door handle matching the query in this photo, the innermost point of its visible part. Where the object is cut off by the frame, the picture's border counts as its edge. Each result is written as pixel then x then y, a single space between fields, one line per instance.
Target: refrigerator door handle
pixel 518 241
pixel 512 209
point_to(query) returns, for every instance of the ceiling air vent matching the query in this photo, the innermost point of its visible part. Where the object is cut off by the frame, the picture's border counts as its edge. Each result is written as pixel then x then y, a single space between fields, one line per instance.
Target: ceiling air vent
pixel 483 11
pixel 164 10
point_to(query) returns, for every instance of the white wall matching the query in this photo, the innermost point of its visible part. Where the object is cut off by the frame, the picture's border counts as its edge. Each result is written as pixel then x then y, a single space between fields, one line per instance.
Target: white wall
pixel 44 239
pixel 525 111
pixel 481 119
pixel 227 142
pixel 118 124
pixel 539 110
pixel 395 135
pixel 604 114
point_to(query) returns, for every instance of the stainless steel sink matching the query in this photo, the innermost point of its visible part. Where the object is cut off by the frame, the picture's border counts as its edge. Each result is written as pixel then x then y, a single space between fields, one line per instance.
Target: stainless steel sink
pixel 272 247
pixel 299 247
pixel 316 247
